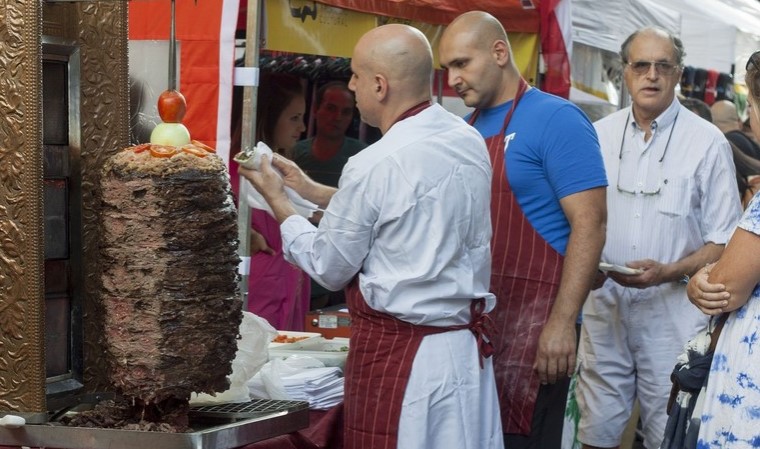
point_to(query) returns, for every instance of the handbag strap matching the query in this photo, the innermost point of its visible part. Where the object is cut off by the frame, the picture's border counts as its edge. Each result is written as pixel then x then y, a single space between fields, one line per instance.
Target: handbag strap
pixel 714 334
pixel 719 322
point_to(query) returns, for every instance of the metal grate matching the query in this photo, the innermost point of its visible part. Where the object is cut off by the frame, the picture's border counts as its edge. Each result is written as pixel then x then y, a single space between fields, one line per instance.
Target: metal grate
pixel 251 409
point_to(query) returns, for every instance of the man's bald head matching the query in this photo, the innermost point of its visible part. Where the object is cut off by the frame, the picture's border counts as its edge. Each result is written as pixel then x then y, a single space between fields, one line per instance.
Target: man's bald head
pixel 399 52
pixel 392 71
pixel 725 116
pixel 481 68
pixel 478 27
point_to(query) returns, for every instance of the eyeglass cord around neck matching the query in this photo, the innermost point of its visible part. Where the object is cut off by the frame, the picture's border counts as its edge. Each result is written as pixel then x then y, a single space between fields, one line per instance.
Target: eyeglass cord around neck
pixel 620 157
pixel 667 143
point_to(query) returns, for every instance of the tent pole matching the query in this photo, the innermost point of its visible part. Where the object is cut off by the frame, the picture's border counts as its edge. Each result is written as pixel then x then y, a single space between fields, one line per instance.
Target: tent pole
pixel 624 96
pixel 247 141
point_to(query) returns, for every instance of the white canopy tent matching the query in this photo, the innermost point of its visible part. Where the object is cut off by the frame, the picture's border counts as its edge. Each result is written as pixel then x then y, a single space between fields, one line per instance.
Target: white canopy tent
pixel 597 34
pixel 606 25
pixel 717 34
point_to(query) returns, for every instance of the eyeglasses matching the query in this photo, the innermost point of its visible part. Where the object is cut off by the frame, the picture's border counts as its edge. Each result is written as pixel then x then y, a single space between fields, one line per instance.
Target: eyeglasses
pixel 642 191
pixel 659 162
pixel 643 67
pixel 754 60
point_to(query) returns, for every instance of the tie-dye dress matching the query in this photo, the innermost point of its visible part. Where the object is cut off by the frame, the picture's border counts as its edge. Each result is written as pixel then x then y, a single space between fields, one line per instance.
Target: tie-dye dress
pixel 731 412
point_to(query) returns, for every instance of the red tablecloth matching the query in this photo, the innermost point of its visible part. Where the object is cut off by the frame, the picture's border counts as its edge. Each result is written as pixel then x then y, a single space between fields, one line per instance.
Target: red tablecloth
pixel 325 431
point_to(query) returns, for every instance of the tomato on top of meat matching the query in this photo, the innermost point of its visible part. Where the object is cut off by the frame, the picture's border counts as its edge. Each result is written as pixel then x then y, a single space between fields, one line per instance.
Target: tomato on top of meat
pixel 139 148
pixel 200 144
pixel 162 150
pixel 194 150
pixel 172 106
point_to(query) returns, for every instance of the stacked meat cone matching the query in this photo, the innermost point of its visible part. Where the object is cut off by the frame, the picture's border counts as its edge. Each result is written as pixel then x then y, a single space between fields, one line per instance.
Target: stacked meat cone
pixel 168 243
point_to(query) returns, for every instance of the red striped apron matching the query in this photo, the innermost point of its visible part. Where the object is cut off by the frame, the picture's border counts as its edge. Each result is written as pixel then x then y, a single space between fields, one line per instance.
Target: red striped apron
pixel 379 363
pixel 525 276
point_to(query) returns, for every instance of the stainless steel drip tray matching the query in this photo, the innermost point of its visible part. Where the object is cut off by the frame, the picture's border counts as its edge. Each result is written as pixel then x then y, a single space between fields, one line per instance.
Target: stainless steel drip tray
pixel 223 426
pixel 244 410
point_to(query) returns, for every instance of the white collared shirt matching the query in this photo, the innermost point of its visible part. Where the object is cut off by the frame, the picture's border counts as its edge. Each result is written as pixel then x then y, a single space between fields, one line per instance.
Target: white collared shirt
pixel 412 216
pixel 697 202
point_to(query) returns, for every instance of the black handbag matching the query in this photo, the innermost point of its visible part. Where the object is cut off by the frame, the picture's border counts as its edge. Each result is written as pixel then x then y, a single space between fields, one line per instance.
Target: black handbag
pixel 689 381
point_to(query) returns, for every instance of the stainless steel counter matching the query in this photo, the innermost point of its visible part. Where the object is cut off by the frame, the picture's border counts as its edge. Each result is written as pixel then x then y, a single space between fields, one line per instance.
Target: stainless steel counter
pixel 213 430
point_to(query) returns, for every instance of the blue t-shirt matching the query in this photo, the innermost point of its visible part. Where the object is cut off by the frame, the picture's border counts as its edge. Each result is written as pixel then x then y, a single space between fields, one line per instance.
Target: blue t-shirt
pixel 552 151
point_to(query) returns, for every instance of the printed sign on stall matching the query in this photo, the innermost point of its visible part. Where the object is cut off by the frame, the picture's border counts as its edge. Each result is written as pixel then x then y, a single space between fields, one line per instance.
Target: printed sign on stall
pixel 308 27
pixel 301 26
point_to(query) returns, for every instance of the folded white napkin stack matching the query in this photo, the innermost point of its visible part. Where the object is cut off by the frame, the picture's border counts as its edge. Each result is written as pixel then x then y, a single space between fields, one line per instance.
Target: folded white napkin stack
pixel 299 378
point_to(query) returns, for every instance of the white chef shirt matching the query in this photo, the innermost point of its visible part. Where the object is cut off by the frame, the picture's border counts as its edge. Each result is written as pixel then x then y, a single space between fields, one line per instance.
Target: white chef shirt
pixel 412 217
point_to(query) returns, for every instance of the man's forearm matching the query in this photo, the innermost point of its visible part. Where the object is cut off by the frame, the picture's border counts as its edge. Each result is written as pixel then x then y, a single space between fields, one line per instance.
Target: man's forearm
pixel 580 267
pixel 692 263
pixel 282 208
pixel 318 194
pixel 587 214
pixel 301 183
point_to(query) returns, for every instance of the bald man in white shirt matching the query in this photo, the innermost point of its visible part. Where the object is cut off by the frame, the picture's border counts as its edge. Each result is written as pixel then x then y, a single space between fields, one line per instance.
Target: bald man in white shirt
pixel 409 228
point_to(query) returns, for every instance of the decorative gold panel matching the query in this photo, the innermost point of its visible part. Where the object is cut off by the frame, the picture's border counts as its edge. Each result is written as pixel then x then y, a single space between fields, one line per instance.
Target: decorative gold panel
pixel 100 30
pixel 105 130
pixel 22 380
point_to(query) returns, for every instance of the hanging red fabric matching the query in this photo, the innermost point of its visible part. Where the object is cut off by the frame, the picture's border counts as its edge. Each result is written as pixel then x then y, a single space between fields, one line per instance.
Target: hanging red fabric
pixel 206 59
pixel 554 51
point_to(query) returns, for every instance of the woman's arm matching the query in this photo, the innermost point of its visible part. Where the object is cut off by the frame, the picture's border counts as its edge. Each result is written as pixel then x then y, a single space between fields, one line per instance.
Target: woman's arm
pixel 738 270
pixel 259 244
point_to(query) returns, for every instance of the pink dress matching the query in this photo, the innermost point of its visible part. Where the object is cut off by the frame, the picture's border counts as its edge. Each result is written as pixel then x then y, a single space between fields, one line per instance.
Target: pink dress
pixel 278 291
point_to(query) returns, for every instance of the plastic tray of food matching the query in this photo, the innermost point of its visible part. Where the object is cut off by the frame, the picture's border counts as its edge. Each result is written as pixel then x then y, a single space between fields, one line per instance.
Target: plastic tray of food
pixel 332 352
pixel 292 337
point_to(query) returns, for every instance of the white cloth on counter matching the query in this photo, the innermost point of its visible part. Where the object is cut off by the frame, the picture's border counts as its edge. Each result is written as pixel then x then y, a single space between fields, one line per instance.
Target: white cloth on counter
pixel 251 355
pixel 299 378
pixel 305 208
pixel 322 388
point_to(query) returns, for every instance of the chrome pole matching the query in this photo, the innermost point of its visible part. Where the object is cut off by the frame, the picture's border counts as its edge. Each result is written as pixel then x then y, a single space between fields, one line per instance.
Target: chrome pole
pixel 248 139
pixel 172 52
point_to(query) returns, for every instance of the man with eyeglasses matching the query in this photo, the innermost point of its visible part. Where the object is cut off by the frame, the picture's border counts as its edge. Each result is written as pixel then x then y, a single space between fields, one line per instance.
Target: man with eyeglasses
pixel 672 205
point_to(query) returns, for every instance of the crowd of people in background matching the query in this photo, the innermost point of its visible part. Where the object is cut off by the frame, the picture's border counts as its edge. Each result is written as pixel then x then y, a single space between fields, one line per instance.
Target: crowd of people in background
pixel 472 246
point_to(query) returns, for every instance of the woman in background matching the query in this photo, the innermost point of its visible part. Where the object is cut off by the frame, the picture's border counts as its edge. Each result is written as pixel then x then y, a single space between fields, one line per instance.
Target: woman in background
pixel 731 410
pixel 277 290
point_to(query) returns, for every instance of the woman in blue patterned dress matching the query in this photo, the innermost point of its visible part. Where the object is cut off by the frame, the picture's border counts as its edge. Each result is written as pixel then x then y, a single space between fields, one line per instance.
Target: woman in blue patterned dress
pixel 731 410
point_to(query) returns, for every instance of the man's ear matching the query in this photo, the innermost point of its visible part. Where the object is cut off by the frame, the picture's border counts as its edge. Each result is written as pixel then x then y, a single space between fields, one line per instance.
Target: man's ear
pixel 381 87
pixel 500 52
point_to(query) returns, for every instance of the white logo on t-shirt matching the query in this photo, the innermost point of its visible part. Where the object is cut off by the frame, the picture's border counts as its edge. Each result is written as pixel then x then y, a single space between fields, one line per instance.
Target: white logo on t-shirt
pixel 507 138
